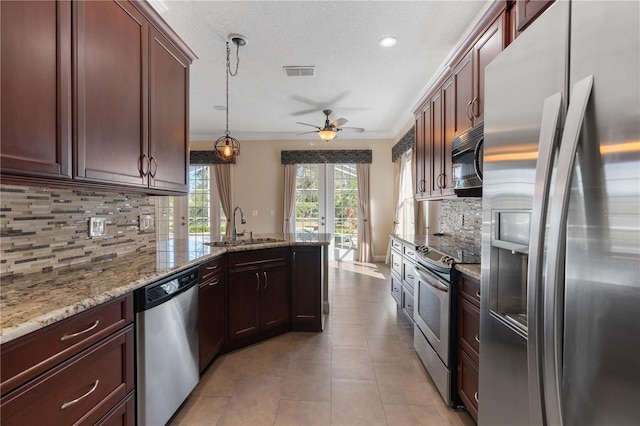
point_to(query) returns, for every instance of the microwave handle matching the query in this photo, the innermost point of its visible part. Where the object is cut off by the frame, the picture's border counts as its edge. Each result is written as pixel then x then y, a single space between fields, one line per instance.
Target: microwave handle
pixel 476 159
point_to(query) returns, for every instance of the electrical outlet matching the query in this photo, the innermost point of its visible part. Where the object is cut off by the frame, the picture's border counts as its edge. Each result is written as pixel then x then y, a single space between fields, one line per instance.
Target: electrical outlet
pixel 146 222
pixel 97 226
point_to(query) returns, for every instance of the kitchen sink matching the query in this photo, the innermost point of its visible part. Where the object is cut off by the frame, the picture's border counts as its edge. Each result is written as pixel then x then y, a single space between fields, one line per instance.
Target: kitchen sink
pixel 243 242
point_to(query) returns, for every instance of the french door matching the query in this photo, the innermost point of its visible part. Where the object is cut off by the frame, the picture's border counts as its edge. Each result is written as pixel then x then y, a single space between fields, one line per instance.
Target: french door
pixel 327 202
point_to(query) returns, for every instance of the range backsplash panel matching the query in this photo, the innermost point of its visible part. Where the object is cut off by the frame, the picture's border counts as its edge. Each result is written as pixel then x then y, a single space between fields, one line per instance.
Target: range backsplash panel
pixel 462 219
pixel 44 228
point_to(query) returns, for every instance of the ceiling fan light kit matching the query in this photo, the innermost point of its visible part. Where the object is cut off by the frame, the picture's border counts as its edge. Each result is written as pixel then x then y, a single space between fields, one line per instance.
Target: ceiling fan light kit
pixel 227 147
pixel 330 130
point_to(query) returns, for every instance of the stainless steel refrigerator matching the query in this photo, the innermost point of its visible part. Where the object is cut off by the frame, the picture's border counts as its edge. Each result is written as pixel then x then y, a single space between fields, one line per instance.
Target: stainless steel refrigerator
pixel 560 310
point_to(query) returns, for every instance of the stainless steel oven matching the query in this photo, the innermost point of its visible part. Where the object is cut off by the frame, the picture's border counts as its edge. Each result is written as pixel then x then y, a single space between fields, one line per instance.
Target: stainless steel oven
pixel 435 320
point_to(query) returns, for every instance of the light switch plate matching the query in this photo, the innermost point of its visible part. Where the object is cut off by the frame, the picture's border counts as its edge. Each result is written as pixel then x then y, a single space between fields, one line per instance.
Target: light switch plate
pixel 97 226
pixel 146 222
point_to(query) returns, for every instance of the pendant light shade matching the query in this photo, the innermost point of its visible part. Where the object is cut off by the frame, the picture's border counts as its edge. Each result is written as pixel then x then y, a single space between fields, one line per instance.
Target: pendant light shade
pixel 226 147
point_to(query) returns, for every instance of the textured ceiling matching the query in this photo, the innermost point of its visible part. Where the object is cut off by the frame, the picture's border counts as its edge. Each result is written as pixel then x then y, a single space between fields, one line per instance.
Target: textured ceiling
pixel 373 87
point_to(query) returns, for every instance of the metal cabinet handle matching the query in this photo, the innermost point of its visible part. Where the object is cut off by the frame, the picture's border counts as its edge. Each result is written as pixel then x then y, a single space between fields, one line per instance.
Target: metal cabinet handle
pixel 409 306
pixel 217 281
pixel 266 280
pixel 469 114
pixel 143 160
pixel 396 264
pixel 75 401
pixel 475 396
pixel 478 294
pixel 475 101
pixel 444 180
pixel 397 290
pixel 411 277
pixel 478 338
pixel 258 281
pixel 211 268
pixel 152 158
pixel 294 260
pixel 71 336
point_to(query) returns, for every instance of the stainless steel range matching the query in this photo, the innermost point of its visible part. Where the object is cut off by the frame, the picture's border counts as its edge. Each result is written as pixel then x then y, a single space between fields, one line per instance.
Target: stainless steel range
pixel 434 315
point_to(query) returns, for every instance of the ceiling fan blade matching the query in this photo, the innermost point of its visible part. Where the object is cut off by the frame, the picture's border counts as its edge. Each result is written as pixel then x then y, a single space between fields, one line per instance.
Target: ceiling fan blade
pixel 352 129
pixel 304 133
pixel 305 124
pixel 339 122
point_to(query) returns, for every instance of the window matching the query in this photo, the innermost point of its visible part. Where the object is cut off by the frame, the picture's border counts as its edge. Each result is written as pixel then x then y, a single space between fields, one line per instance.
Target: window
pixel 405 200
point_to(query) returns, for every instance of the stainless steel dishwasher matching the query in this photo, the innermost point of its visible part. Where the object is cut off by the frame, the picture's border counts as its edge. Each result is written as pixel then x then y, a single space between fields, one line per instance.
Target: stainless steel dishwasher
pixel 166 346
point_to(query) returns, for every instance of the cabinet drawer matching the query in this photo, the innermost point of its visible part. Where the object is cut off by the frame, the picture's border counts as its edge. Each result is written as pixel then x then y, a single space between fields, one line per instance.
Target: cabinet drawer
pixel 123 414
pixel 409 252
pixel 408 273
pixel 396 289
pixel 59 341
pixel 469 329
pixel 249 258
pixel 468 383
pixel 407 302
pixel 211 268
pixel 396 263
pixel 79 391
pixel 396 245
pixel 470 289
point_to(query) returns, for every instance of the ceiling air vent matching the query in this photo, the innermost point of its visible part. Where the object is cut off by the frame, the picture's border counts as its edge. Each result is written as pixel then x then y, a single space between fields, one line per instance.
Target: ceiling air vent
pixel 309 71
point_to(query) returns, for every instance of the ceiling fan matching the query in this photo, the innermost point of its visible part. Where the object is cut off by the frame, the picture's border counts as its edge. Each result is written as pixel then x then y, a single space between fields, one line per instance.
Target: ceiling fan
pixel 330 130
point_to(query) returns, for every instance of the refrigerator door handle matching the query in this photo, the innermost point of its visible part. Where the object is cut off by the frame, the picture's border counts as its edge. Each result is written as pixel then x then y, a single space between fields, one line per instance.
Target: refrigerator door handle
pixel 547 146
pixel 554 276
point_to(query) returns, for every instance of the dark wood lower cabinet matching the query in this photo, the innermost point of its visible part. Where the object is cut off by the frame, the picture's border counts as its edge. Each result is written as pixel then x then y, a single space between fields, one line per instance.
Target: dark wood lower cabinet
pixel 468 383
pixel 211 311
pixel 468 342
pixel 123 414
pixel 259 295
pixel 306 288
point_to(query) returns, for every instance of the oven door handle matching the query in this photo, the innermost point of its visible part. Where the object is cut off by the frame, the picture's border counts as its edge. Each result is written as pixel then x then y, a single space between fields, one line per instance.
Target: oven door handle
pixel 428 280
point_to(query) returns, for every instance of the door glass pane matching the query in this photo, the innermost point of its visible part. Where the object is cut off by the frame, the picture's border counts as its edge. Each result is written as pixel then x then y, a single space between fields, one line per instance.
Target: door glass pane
pixel 345 208
pixel 199 203
pixel 307 198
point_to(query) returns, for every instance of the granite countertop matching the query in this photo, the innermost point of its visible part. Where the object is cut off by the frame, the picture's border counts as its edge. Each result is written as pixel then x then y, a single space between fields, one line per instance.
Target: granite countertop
pixel 32 301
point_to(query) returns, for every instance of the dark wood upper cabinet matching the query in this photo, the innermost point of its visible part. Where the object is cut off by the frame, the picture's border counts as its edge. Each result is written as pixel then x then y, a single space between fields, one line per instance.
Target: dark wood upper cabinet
pixel 111 92
pixel 35 118
pixel 463 88
pixel 448 116
pixel 490 45
pixel 169 126
pixel 528 10
pixel 424 152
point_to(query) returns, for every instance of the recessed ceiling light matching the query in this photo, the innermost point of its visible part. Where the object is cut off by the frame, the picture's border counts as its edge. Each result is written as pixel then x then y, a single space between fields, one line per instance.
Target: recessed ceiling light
pixel 388 41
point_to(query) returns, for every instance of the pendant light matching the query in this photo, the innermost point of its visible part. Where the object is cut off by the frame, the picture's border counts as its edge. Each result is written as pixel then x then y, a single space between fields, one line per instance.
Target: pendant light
pixel 227 147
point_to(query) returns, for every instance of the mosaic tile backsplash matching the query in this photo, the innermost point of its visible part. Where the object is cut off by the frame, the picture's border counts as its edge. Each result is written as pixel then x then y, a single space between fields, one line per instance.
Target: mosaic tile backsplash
pixel 42 228
pixel 462 219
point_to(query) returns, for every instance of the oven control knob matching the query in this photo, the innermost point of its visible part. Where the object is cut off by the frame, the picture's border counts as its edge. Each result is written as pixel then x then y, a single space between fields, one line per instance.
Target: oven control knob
pixel 447 259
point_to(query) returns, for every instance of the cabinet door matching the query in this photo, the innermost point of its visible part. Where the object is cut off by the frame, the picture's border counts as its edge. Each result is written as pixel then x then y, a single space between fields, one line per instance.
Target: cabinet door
pixel 419 156
pixel 111 92
pixel 274 300
pixel 424 153
pixel 306 288
pixel 36 88
pixel 244 302
pixel 211 318
pixel 528 10
pixel 437 149
pixel 485 50
pixel 463 86
pixel 448 132
pixel 168 108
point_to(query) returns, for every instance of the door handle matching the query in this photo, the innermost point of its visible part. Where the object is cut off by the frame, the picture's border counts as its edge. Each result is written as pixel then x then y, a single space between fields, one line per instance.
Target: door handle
pixel 556 249
pixel 469 114
pixel 152 158
pixel 258 281
pixel 547 147
pixel 141 162
pixel 266 280
pixel 475 101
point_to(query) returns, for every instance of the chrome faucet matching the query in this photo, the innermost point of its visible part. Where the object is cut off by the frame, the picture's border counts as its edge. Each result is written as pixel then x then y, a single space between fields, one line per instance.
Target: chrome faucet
pixel 237 234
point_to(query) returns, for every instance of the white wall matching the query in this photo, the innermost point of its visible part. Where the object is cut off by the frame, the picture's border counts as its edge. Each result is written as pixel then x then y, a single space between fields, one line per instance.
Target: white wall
pixel 258 177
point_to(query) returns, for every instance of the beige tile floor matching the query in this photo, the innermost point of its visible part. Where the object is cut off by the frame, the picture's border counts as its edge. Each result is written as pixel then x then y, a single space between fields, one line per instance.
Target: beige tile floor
pixel 362 370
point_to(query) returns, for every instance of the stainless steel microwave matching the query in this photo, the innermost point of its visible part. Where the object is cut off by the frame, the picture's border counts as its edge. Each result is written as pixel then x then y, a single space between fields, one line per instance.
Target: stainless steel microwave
pixel 467 162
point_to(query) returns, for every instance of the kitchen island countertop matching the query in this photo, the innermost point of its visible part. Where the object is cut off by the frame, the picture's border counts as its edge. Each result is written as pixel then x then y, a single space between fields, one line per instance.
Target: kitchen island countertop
pixel 32 301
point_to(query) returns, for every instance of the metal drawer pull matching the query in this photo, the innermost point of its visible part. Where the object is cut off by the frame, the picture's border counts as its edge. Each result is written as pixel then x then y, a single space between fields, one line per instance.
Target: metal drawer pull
pixel 477 338
pixel 396 289
pixel 71 336
pixel 217 281
pixel 211 268
pixel 411 277
pixel 396 264
pixel 75 401
pixel 475 396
